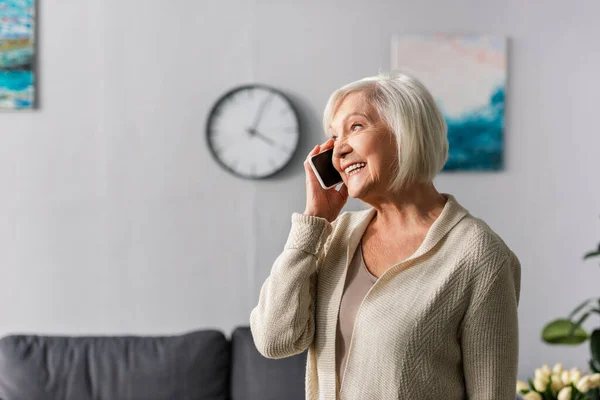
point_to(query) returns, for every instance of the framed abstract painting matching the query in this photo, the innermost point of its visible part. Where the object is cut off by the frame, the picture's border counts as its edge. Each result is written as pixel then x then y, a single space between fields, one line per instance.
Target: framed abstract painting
pixel 467 76
pixel 17 52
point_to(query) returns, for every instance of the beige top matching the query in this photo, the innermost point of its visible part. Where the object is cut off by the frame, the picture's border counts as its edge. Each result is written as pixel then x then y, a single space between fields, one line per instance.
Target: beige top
pixel 441 324
pixel 358 282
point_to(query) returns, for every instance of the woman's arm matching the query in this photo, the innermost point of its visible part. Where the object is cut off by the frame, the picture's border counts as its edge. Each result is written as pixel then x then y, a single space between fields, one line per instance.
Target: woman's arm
pixel 283 322
pixel 490 336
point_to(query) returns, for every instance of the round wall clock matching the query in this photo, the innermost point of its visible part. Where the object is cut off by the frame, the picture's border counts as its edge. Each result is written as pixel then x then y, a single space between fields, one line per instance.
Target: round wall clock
pixel 253 131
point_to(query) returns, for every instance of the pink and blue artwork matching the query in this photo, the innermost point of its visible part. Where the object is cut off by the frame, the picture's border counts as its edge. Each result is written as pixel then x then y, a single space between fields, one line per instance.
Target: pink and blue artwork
pixel 17 51
pixel 467 76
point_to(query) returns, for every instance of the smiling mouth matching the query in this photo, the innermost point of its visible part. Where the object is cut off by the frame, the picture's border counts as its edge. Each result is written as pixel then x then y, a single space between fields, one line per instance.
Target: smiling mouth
pixel 354 169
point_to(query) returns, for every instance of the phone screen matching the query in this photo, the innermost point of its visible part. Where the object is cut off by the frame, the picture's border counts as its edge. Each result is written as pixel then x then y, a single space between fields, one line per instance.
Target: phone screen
pixel 325 169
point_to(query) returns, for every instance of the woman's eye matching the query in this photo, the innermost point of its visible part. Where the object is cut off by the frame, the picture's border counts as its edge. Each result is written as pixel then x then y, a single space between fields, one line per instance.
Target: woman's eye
pixel 355 127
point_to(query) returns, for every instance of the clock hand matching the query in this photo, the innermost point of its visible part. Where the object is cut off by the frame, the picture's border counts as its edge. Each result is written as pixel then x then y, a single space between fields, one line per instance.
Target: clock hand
pixel 268 140
pixel 264 138
pixel 258 116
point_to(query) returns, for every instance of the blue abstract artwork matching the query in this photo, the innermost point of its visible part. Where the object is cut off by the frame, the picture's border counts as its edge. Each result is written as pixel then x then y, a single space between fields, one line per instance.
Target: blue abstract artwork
pixel 17 51
pixel 467 76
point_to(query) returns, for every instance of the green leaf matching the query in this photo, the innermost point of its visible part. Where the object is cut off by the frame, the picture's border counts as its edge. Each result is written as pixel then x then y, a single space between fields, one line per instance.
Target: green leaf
pixel 595 346
pixel 531 386
pixel 595 365
pixel 579 323
pixel 577 395
pixel 557 332
pixel 579 307
pixel 548 392
pixel 591 254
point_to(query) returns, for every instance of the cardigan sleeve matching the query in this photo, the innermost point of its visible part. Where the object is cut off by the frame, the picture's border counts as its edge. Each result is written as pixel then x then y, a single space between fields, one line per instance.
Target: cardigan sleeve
pixel 490 337
pixel 283 322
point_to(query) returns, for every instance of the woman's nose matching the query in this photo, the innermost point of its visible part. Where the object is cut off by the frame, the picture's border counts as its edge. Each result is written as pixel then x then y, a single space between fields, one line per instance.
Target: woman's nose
pixel 341 149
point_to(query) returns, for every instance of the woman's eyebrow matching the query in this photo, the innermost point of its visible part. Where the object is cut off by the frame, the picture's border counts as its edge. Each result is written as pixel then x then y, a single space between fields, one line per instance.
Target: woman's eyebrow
pixel 355 114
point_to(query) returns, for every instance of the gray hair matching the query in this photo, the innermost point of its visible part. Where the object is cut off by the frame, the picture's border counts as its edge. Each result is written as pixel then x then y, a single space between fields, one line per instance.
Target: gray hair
pixel 412 114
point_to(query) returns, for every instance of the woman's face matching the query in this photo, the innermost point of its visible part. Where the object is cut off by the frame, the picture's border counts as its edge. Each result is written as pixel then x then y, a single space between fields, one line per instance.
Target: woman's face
pixel 365 149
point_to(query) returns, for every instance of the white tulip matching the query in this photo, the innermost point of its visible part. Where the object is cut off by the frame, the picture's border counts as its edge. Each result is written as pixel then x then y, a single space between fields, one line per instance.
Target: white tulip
pixel 565 393
pixel 557 384
pixel 584 385
pixel 540 384
pixel 575 375
pixel 558 369
pixel 565 377
pixel 538 373
pixel 546 369
pixel 522 386
pixel 532 396
pixel 595 380
pixel 542 373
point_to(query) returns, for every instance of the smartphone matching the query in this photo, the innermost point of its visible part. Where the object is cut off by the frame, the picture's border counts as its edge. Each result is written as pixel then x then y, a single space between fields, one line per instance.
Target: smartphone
pixel 322 165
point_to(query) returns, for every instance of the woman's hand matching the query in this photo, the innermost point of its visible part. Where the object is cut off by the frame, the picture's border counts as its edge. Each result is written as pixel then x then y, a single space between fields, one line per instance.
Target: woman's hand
pixel 320 202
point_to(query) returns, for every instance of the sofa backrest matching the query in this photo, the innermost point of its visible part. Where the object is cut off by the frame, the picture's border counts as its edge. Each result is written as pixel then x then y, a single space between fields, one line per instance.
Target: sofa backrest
pixel 193 366
pixel 254 377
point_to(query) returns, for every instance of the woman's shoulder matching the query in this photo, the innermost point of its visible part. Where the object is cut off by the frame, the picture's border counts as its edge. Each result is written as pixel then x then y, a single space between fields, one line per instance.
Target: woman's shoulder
pixel 480 241
pixel 485 257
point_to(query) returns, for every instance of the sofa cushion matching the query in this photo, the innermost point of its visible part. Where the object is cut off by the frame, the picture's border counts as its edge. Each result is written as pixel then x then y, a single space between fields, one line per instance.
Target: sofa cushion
pixel 193 366
pixel 254 377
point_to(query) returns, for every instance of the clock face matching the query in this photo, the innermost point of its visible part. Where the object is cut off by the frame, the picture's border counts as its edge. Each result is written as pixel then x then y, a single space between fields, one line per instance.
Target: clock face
pixel 253 131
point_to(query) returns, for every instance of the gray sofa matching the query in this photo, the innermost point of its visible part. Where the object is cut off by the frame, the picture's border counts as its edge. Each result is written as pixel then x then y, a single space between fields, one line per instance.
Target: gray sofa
pixel 201 365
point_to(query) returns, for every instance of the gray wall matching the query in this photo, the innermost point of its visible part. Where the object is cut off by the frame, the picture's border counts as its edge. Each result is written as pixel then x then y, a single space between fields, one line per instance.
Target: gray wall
pixel 115 219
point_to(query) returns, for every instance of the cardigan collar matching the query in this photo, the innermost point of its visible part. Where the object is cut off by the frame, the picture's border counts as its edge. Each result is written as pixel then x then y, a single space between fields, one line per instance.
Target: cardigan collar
pixel 451 214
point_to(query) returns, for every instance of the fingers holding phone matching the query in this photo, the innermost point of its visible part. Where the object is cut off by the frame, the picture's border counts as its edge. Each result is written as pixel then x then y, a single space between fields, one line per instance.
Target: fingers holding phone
pixel 321 177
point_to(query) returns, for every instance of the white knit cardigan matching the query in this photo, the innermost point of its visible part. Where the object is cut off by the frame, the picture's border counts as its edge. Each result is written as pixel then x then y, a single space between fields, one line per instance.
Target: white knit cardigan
pixel 440 325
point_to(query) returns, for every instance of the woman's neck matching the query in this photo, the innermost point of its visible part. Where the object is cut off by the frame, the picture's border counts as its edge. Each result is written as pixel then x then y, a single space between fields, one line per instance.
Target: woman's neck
pixel 413 207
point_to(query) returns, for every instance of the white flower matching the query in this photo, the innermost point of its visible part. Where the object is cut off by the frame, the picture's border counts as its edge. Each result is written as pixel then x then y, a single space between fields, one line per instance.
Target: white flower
pixel 522 386
pixel 532 396
pixel 558 369
pixel 538 373
pixel 543 372
pixel 540 384
pixel 546 369
pixel 574 375
pixel 584 385
pixel 595 380
pixel 565 377
pixel 557 384
pixel 565 393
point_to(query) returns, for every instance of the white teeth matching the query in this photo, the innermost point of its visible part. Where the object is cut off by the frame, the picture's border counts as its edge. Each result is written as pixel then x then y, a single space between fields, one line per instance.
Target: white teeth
pixel 354 167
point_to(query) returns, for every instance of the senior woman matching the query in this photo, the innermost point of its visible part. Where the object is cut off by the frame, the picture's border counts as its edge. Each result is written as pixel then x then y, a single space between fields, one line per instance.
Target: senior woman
pixel 413 298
